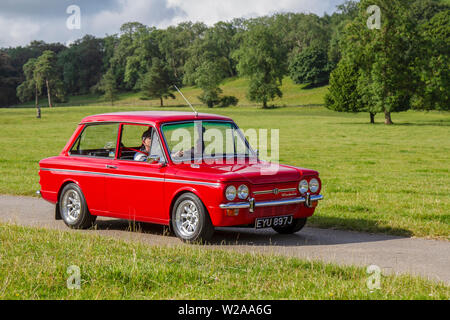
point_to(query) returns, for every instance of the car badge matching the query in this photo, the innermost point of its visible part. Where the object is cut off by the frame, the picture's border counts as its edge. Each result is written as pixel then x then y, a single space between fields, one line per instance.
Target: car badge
pixel 276 191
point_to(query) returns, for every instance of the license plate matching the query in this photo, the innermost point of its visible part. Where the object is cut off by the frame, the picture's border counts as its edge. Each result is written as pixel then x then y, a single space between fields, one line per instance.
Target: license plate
pixel 264 223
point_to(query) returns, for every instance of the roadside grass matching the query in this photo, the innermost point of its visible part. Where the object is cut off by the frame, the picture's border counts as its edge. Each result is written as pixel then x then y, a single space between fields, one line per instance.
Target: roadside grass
pixel 34 265
pixel 376 178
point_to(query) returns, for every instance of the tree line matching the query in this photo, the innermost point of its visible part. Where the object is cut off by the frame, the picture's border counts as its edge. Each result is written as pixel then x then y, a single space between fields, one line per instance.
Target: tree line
pixel 402 65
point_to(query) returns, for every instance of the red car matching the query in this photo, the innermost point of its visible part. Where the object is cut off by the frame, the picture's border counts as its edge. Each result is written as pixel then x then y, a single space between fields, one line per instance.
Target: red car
pixel 166 168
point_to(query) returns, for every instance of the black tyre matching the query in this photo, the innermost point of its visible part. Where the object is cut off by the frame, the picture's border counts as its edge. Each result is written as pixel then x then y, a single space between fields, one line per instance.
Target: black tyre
pixel 296 226
pixel 73 208
pixel 190 220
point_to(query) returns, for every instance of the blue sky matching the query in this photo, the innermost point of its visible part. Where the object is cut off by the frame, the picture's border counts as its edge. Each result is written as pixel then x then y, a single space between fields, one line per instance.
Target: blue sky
pixel 24 20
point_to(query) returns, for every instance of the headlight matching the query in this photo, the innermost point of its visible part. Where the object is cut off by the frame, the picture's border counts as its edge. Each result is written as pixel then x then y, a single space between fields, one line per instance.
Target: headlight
pixel 314 185
pixel 303 187
pixel 230 193
pixel 243 192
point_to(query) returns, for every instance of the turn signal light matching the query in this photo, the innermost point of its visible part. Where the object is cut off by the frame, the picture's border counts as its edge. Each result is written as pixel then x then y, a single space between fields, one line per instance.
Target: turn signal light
pixel 232 212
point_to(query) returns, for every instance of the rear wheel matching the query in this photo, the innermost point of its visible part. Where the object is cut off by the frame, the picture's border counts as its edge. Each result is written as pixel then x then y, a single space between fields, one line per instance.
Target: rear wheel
pixel 73 208
pixel 295 226
pixel 190 220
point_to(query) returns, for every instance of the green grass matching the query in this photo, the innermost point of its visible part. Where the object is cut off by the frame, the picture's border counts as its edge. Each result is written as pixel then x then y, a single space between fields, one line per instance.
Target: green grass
pixel 34 263
pixel 293 95
pixel 377 178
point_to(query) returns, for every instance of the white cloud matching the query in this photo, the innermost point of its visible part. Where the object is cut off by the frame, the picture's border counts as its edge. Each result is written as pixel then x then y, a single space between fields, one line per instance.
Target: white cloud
pixel 211 12
pixel 107 18
pixel 17 31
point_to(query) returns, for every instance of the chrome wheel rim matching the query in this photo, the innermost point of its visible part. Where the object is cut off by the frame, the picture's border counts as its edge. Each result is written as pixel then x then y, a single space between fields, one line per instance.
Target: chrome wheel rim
pixel 71 206
pixel 187 218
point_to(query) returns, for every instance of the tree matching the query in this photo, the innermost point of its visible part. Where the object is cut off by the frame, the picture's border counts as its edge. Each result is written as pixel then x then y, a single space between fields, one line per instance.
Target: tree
pixel 384 56
pixel 108 86
pixel 82 64
pixel 157 82
pixel 434 64
pixel 9 80
pixel 46 73
pixel 262 58
pixel 310 66
pixel 208 77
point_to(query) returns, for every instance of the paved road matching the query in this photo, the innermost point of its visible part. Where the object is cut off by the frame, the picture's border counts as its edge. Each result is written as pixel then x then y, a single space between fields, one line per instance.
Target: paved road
pixel 394 255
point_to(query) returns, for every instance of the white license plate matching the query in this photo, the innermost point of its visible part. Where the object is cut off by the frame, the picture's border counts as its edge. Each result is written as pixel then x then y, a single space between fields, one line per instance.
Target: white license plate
pixel 263 223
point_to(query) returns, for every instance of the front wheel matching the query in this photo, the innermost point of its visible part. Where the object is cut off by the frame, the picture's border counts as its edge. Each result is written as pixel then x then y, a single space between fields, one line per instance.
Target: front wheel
pixel 73 208
pixel 295 226
pixel 190 220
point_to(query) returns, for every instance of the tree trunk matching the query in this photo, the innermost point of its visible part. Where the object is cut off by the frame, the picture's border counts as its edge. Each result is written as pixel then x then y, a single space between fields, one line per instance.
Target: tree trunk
pixel 265 104
pixel 49 95
pixel 36 103
pixel 162 102
pixel 372 118
pixel 387 117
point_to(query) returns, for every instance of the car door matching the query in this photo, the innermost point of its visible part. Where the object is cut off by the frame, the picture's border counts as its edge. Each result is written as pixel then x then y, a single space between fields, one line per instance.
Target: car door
pixel 89 158
pixel 135 189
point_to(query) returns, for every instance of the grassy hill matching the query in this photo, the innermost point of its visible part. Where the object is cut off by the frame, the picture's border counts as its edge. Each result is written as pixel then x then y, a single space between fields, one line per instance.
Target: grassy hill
pixel 293 95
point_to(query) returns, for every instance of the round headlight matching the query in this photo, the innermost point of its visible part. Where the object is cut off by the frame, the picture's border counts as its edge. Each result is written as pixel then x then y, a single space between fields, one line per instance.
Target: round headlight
pixel 303 187
pixel 314 185
pixel 230 193
pixel 243 192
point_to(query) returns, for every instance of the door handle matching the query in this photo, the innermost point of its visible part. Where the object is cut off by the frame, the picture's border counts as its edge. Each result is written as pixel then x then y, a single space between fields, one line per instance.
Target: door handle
pixel 111 167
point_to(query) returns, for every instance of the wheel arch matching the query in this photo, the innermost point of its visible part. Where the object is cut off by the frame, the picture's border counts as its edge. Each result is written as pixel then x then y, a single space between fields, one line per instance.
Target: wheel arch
pixel 61 188
pixel 178 194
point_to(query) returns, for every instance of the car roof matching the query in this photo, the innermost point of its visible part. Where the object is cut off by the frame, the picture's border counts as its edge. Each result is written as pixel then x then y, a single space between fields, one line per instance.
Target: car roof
pixel 151 117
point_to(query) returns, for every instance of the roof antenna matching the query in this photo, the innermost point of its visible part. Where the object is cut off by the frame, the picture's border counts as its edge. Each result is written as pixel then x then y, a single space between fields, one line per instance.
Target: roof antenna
pixel 195 111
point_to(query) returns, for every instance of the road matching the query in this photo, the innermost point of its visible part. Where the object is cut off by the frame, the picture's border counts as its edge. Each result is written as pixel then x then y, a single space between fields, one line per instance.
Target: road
pixel 429 259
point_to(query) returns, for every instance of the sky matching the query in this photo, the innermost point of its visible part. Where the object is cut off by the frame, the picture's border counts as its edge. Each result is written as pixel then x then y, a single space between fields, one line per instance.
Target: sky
pixel 22 21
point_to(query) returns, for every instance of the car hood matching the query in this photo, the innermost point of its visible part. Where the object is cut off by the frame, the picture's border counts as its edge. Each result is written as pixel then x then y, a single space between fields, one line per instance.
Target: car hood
pixel 256 173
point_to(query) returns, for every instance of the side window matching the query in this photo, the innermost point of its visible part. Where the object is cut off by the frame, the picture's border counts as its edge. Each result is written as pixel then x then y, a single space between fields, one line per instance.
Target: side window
pixel 132 144
pixel 97 141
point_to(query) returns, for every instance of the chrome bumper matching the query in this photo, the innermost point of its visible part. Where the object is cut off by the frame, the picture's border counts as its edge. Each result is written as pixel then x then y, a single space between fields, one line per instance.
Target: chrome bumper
pixel 252 204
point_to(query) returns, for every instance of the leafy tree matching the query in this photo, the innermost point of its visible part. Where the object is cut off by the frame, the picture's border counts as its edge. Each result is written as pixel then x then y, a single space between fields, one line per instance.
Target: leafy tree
pixel 208 77
pixel 434 64
pixel 46 74
pixel 108 86
pixel 9 80
pixel 262 58
pixel 310 66
pixel 157 82
pixel 346 92
pixel 82 64
pixel 384 56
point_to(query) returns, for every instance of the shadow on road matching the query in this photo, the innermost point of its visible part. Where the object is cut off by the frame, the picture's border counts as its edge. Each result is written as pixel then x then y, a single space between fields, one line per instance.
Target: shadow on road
pixel 252 237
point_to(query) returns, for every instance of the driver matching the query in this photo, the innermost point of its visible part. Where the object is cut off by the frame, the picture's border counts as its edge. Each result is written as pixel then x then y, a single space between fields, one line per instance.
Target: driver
pixel 146 145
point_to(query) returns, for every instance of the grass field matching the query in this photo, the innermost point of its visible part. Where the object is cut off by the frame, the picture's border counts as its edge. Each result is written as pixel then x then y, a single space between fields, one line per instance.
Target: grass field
pixel 378 179
pixel 293 95
pixel 34 263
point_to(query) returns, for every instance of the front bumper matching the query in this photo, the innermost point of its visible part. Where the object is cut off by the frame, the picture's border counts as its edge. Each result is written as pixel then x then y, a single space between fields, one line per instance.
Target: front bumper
pixel 252 204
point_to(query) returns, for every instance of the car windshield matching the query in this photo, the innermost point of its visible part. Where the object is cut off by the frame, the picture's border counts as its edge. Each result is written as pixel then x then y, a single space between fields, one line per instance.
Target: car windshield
pixel 198 140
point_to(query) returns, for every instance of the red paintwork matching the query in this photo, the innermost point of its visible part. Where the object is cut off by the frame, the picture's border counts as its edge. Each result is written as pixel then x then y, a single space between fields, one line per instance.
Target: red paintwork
pixel 151 201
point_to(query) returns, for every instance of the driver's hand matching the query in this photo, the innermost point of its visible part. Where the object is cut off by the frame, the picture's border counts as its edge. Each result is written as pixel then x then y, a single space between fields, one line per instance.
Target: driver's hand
pixel 180 154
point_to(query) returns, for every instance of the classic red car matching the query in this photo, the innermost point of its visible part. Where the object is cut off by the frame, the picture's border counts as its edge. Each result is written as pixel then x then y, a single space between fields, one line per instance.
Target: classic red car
pixel 165 168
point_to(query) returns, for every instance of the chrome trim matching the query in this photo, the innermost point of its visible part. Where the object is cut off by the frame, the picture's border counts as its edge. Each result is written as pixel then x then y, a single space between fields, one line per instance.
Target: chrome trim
pixel 283 202
pixel 120 176
pixel 272 191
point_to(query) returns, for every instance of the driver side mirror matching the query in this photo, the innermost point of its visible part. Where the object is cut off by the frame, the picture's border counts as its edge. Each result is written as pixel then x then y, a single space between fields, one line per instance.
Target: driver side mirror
pixel 153 159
